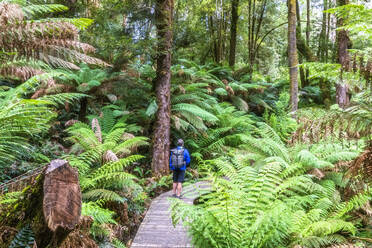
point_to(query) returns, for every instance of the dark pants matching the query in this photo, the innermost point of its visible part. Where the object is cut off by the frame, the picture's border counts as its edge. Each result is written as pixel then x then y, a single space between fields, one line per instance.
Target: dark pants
pixel 178 176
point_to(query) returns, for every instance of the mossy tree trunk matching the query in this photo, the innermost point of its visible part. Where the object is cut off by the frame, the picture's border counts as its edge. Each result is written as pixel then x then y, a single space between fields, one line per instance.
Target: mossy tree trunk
pixel 233 28
pixel 343 43
pixel 161 142
pixel 322 36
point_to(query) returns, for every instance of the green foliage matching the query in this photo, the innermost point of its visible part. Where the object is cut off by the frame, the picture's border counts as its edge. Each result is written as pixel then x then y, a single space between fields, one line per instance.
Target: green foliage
pixel 357 19
pixel 280 120
pixel 22 119
pixel 230 130
pixel 103 160
pixel 85 78
pixel 101 217
pixel 10 197
pixel 269 200
pixel 24 238
pixel 99 214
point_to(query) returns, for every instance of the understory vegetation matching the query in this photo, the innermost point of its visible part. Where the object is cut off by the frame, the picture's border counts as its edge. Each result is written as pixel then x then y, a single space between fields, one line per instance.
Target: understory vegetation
pixel 281 129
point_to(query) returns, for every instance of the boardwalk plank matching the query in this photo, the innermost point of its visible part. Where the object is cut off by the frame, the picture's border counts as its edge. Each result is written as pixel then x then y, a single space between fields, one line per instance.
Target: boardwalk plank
pixel 157 230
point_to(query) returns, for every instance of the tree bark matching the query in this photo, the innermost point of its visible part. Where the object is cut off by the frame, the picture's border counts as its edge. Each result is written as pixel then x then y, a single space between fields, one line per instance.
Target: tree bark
pixel 308 9
pixel 213 37
pixel 304 49
pixel 343 43
pixel 292 54
pixel 322 36
pixel 328 31
pixel 254 30
pixel 302 72
pixel 83 109
pixel 307 22
pixel 249 34
pixel 161 141
pixel 233 28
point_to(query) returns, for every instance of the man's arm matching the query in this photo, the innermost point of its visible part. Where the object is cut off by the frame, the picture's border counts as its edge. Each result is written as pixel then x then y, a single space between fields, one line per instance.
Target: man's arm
pixel 170 160
pixel 186 156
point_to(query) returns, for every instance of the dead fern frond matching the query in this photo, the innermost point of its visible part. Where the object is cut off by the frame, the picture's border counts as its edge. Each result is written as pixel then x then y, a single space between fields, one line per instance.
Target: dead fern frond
pixel 97 129
pixel 52 40
pixel 362 167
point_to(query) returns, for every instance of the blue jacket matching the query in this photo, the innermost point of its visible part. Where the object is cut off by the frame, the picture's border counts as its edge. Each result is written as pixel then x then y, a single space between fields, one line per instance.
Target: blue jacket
pixel 186 157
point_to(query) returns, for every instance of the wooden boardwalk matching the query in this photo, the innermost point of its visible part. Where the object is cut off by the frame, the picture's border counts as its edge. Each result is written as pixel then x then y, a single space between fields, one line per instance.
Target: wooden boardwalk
pixel 157 230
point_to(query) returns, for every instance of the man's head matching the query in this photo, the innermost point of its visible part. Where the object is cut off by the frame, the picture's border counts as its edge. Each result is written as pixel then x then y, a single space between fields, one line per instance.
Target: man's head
pixel 180 142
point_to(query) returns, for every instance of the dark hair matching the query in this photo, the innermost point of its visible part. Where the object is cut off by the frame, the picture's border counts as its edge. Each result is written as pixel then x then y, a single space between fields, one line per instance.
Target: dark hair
pixel 180 142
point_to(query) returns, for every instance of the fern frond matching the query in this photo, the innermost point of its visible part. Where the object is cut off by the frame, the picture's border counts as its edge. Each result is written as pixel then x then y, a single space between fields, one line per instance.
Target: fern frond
pixel 130 145
pixel 99 214
pixel 102 194
pixel 116 166
pixel 24 238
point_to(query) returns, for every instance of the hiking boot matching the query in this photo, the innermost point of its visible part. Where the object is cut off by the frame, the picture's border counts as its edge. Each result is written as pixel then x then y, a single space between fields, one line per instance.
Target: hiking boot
pixel 174 195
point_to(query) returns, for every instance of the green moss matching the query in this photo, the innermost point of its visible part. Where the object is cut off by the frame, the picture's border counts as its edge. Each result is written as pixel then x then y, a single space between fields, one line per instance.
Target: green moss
pixel 26 189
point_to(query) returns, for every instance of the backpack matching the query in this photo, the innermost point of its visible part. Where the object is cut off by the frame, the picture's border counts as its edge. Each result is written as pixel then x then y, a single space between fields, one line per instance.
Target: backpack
pixel 177 158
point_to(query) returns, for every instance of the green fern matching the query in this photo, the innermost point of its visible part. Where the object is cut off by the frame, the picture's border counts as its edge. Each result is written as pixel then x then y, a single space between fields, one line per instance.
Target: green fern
pixel 24 239
pixel 103 159
pixel 273 203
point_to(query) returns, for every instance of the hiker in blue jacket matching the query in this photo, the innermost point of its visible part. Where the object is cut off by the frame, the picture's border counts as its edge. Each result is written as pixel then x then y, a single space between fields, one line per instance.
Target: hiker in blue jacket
pixel 178 160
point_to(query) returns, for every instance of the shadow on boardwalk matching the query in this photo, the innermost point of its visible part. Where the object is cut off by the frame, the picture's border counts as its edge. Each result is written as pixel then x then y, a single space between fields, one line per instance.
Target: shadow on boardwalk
pixel 157 230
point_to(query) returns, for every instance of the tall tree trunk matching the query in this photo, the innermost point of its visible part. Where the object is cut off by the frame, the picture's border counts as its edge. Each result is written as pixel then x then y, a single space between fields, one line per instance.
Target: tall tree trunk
pixel 308 10
pixel 251 49
pixel 328 31
pixel 83 109
pixel 322 36
pixel 302 72
pixel 254 41
pixel 249 33
pixel 161 142
pixel 304 49
pixel 343 43
pixel 233 28
pixel 292 54
pixel 307 22
pixel 214 39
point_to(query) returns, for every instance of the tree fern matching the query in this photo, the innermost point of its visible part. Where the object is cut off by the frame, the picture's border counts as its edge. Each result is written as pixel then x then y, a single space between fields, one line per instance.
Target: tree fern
pixel 103 161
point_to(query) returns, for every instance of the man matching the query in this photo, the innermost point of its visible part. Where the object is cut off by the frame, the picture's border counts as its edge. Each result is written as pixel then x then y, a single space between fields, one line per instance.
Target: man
pixel 179 159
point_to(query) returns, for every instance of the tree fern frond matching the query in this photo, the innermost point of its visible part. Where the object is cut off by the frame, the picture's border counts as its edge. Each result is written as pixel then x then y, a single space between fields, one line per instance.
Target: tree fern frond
pixel 116 166
pixel 131 144
pixel 99 214
pixel 354 203
pixel 193 109
pixel 62 98
pixel 40 9
pixel 102 194
pixel 115 135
